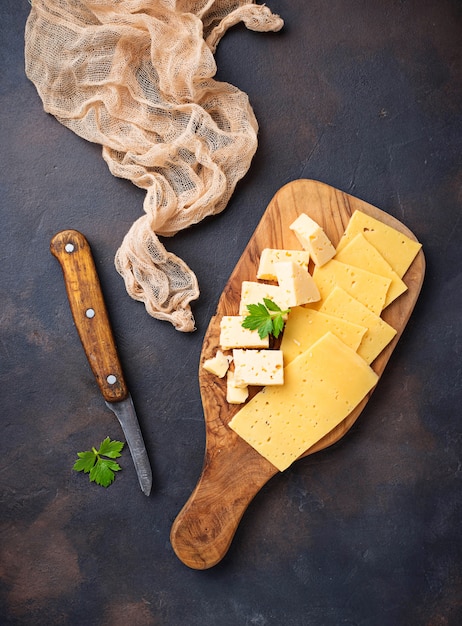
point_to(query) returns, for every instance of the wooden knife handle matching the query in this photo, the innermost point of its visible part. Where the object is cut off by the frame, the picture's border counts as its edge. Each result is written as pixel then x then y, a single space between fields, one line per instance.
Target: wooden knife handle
pixel 89 312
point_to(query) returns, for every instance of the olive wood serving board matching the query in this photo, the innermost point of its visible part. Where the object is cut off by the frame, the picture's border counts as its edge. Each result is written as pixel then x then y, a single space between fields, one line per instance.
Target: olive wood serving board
pixel 233 472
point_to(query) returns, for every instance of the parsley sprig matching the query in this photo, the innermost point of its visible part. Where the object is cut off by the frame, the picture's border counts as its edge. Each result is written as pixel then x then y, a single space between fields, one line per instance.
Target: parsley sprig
pixel 99 463
pixel 266 317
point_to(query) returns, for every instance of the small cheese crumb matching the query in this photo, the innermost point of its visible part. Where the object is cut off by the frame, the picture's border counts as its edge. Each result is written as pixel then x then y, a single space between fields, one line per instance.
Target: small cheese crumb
pixel 218 364
pixel 235 395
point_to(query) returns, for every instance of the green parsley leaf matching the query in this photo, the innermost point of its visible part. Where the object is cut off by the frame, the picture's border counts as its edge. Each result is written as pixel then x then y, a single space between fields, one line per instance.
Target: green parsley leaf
pixel 99 464
pixel 266 317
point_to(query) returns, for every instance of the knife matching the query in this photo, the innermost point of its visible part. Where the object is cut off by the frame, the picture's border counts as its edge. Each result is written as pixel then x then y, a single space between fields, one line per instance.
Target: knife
pixel 91 319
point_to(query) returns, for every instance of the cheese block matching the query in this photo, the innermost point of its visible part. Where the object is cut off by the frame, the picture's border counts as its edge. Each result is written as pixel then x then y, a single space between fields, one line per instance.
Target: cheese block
pixel 270 256
pixel 304 326
pixel 370 289
pixel 217 364
pixel 296 283
pixel 395 247
pixel 378 334
pixel 258 367
pixel 360 253
pixel 322 386
pixel 253 293
pixel 233 335
pixel 312 238
pixel 235 395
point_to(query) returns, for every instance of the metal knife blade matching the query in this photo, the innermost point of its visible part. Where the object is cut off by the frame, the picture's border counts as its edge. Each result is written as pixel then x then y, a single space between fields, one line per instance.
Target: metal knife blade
pixel 92 322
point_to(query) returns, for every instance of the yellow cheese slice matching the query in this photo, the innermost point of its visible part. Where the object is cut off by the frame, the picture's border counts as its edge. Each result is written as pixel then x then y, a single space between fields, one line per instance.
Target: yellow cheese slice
pixel 361 253
pixel 305 326
pixel 397 249
pixel 378 334
pixel 370 289
pixel 321 387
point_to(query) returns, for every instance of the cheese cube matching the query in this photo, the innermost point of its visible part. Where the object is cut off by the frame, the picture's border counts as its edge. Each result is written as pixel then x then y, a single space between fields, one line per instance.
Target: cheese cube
pixel 258 367
pixel 253 293
pixel 378 334
pixel 370 289
pixel 270 256
pixel 235 395
pixel 218 364
pixel 304 326
pixel 233 335
pixel 297 283
pixel 313 238
pixel 397 249
pixel 360 253
pixel 321 388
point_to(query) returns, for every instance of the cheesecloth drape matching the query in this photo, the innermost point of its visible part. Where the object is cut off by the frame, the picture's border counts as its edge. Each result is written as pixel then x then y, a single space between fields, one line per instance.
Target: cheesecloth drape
pixel 136 76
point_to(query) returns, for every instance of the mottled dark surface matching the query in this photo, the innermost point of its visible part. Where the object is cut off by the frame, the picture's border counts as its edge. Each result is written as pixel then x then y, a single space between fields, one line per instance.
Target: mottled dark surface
pixel 365 96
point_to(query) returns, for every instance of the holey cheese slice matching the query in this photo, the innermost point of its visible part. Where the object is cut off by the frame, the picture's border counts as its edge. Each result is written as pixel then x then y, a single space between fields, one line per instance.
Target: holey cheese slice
pixel 370 289
pixel 305 326
pixel 360 253
pixel 321 388
pixel 397 249
pixel 378 334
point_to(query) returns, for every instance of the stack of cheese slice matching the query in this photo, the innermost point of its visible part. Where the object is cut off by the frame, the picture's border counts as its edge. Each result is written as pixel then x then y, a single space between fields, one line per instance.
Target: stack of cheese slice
pixel 333 333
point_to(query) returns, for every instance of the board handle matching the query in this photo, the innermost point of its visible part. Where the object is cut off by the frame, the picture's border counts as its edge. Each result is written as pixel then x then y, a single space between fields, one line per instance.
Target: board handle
pixel 89 312
pixel 203 530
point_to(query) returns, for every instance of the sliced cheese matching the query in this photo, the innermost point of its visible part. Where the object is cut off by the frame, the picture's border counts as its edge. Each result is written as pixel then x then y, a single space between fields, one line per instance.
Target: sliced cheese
pixel 258 367
pixel 361 253
pixel 296 283
pixel 322 386
pixel 313 238
pixel 305 326
pixel 253 293
pixel 218 364
pixel 235 395
pixel 270 256
pixel 378 334
pixel 397 249
pixel 370 289
pixel 233 335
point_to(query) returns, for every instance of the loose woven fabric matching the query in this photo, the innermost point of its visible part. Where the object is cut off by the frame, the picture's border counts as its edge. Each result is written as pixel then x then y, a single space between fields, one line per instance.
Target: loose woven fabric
pixel 136 76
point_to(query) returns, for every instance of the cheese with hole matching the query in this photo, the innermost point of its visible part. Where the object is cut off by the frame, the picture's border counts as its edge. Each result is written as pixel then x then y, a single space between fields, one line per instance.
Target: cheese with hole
pixel 296 283
pixel 235 395
pixel 218 364
pixel 361 253
pixel 370 289
pixel 378 334
pixel 258 367
pixel 270 256
pixel 253 293
pixel 313 238
pixel 321 388
pixel 397 249
pixel 233 335
pixel 305 326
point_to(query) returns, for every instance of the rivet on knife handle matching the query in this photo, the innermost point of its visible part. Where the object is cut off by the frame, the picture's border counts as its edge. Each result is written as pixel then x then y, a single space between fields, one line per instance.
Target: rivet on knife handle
pixel 89 312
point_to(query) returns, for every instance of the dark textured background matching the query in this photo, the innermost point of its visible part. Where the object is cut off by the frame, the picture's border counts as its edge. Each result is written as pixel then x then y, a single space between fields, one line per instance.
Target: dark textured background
pixel 360 94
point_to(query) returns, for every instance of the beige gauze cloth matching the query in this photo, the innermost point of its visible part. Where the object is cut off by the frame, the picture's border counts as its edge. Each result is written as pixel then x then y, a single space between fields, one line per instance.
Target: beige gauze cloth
pixel 136 76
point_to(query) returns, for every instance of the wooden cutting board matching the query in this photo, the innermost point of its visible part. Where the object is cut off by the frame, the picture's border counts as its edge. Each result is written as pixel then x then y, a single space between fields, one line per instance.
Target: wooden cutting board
pixel 233 472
